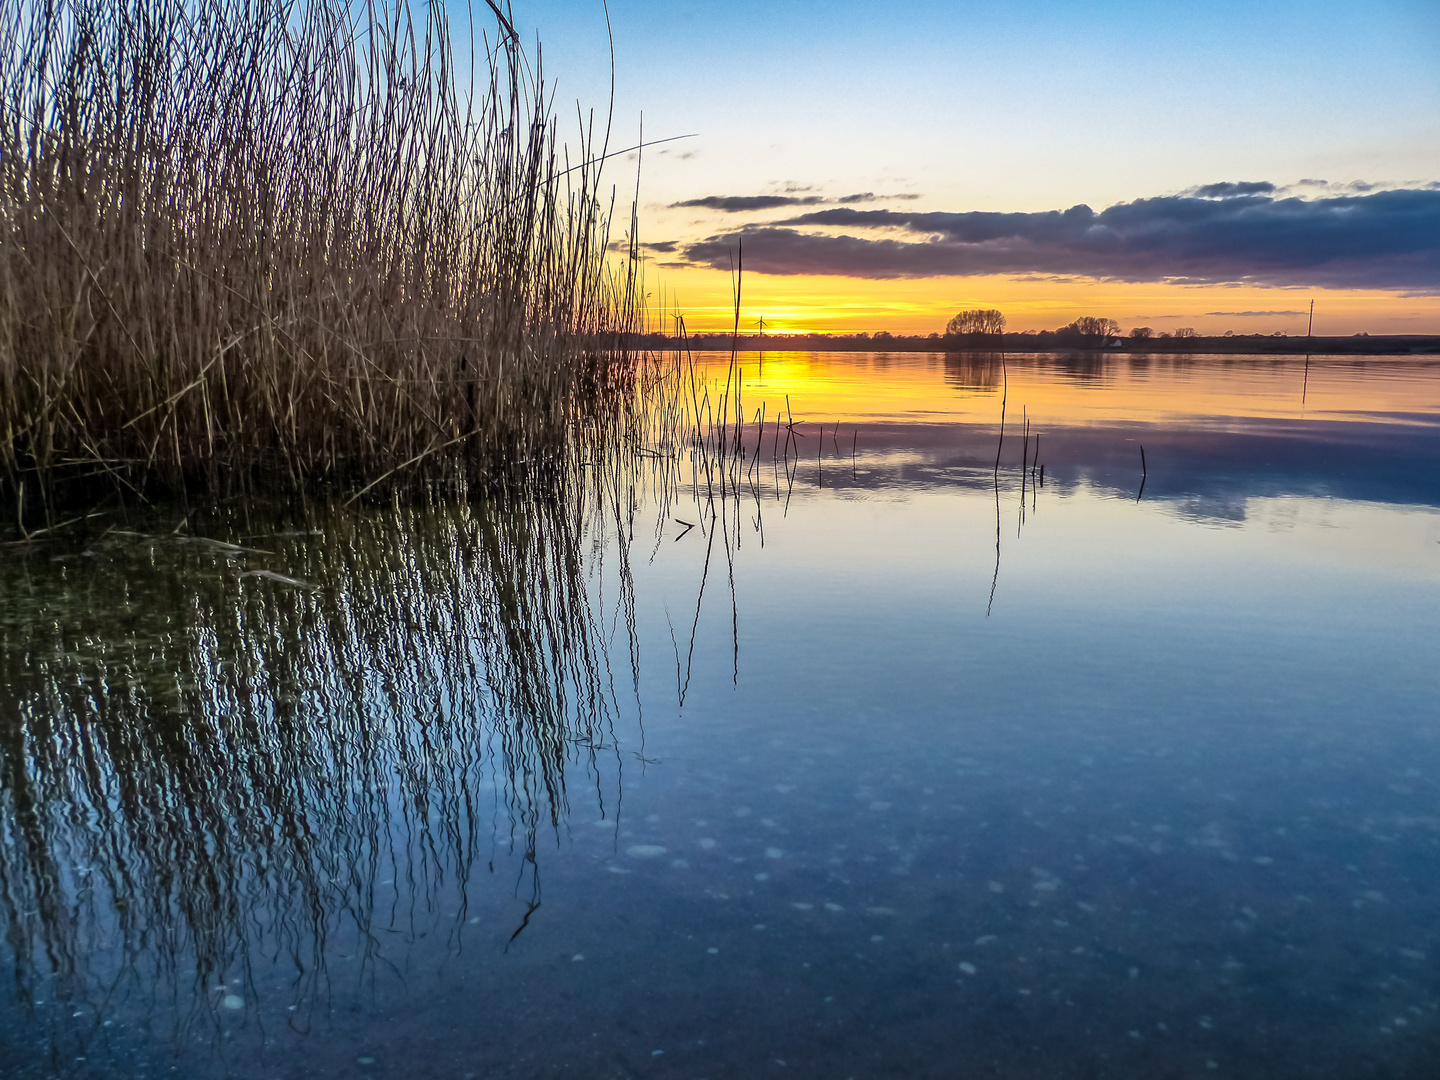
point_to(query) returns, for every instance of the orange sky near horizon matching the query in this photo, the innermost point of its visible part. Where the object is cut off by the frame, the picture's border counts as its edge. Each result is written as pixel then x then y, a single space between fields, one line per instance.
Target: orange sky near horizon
pixel 1275 141
pixel 843 305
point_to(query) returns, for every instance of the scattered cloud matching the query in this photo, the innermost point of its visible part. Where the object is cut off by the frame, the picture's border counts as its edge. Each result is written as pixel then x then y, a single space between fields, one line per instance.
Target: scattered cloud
pixel 1355 187
pixel 1384 239
pixel 1050 279
pixel 870 196
pixel 1253 314
pixel 736 204
pixel 1230 188
pixel 664 247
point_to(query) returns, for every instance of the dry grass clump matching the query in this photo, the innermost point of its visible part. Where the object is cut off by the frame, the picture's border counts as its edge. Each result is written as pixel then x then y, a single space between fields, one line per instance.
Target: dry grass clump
pixel 295 239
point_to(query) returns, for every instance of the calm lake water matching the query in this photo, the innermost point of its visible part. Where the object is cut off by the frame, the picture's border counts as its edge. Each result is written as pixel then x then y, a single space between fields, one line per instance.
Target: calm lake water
pixel 900 750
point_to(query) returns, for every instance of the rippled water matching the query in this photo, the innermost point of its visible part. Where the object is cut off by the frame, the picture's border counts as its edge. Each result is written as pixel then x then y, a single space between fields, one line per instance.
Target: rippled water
pixel 899 749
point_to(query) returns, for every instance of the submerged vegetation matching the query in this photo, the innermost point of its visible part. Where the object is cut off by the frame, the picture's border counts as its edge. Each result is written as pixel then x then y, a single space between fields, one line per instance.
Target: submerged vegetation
pixel 305 241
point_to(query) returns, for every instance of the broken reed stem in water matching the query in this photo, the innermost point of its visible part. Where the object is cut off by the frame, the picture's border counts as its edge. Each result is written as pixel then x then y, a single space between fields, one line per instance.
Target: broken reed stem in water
pixel 297 240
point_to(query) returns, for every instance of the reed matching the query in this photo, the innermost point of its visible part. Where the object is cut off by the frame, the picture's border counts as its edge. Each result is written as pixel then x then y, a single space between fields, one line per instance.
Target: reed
pixel 299 241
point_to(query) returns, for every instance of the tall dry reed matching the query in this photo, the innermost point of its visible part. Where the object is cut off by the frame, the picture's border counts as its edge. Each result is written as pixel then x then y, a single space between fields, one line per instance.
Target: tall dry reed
pixel 298 240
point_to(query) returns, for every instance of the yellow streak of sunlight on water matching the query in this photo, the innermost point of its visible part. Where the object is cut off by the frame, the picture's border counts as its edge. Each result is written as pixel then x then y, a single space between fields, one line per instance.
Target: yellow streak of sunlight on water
pixel 860 388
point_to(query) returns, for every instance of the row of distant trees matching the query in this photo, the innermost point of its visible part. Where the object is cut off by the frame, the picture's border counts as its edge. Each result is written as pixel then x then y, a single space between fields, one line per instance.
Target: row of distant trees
pixel 1144 333
pixel 992 321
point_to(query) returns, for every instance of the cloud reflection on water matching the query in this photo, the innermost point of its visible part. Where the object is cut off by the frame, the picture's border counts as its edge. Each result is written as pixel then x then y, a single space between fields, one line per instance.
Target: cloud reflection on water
pixel 1217 430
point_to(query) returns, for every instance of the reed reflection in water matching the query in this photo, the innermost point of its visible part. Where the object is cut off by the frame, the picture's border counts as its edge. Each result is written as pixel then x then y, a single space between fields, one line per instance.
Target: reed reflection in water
pixel 223 756
pixel 205 763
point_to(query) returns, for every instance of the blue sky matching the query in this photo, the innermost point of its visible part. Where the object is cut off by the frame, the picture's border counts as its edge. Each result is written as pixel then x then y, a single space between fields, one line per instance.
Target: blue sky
pixel 1021 107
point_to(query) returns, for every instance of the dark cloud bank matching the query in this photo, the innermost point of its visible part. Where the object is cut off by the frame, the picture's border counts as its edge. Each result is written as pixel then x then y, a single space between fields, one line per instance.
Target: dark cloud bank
pixel 1220 233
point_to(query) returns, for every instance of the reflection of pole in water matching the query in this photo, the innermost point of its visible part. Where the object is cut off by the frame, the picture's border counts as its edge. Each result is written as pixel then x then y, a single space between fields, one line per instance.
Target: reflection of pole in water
pixel 1024 464
pixel 1004 398
pixel 1034 481
pixel 995 578
pixel 1309 334
pixel 1000 444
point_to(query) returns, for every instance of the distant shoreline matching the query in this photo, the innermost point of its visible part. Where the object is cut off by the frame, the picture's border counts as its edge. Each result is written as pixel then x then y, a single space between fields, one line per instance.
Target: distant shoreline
pixel 1255 345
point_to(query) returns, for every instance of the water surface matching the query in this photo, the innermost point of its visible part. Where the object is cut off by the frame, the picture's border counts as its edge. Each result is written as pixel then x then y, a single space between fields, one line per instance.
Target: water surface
pixel 897 747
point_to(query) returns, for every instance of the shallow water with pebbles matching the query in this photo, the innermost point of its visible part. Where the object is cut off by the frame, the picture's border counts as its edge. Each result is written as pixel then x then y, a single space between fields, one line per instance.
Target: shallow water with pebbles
pixel 973 775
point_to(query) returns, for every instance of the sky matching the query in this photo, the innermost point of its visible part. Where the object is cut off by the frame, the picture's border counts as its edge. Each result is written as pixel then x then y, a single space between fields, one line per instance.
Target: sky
pixel 1216 164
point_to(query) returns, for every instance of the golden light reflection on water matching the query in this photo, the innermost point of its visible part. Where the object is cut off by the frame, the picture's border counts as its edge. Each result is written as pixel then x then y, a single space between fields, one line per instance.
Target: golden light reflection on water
pixel 1083 389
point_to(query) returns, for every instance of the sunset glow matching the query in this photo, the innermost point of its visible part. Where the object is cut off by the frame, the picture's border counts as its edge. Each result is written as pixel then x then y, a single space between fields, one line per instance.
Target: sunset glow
pixel 833 305
pixel 763 539
pixel 1153 164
